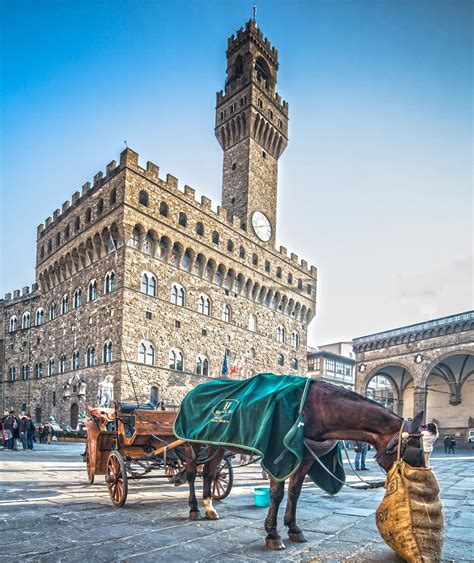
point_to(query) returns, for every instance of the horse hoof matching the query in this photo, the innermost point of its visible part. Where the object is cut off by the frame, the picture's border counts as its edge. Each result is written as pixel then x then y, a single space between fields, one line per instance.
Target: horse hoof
pixel 194 515
pixel 297 537
pixel 276 545
pixel 212 516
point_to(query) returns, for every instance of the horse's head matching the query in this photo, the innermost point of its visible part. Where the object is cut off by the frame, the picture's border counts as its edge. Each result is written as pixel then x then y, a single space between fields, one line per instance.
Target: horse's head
pixel 410 450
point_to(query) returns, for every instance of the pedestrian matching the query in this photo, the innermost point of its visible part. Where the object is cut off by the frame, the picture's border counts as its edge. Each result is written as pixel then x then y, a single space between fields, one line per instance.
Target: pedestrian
pixel 30 432
pixel 447 444
pixel 23 431
pixel 430 435
pixel 452 444
pixel 360 449
pixel 3 429
pixel 11 427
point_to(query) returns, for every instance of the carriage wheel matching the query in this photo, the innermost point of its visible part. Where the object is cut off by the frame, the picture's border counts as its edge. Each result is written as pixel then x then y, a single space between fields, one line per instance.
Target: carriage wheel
pixel 116 479
pixel 90 473
pixel 222 485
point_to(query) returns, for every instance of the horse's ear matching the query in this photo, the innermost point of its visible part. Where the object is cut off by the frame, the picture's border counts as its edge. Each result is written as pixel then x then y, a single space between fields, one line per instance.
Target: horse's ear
pixel 416 422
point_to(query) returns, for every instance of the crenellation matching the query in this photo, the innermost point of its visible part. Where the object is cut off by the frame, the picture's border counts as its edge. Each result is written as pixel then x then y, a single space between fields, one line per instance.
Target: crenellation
pixel 65 206
pixel 16 294
pixel 39 230
pixel 206 203
pixel 129 158
pixel 8 296
pixel 75 197
pixel 48 221
pixel 189 192
pixel 283 251
pixel 314 271
pixel 294 258
pixel 304 264
pixel 85 188
pixel 98 178
pixel 25 290
pixel 56 214
pixel 171 182
pixel 236 223
pixel 152 171
pixel 111 166
pixel 34 287
pixel 222 213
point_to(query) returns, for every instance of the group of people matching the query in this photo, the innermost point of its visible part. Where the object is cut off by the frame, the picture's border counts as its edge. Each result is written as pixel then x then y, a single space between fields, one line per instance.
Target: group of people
pixel 20 429
pixel 449 444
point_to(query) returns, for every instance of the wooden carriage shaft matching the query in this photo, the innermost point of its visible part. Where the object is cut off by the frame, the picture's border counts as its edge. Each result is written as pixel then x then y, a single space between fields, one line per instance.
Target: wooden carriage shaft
pixel 159 451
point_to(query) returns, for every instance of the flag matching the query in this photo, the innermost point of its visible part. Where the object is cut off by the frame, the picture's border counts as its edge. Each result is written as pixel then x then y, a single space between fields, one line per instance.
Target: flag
pixel 233 371
pixel 225 369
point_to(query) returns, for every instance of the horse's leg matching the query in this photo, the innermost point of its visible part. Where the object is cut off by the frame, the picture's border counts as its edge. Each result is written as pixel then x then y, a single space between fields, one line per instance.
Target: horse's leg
pixel 294 490
pixel 208 477
pixel 191 471
pixel 273 539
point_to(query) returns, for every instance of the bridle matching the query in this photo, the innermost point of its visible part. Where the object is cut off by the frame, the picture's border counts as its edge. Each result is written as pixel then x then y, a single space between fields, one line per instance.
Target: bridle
pixel 399 441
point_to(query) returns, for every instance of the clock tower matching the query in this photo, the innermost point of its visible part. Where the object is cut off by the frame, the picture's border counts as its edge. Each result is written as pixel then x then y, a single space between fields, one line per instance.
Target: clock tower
pixel 252 129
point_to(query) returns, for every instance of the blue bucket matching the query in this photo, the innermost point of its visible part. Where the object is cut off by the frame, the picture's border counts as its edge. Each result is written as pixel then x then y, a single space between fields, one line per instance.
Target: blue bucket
pixel 262 496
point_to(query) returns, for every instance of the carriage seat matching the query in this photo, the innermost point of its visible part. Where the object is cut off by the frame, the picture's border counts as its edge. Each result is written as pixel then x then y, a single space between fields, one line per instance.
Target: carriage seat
pixel 128 408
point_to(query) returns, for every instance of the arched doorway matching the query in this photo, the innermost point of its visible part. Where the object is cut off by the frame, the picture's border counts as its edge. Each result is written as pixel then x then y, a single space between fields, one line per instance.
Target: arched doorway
pixel 74 415
pixel 155 395
pixel 392 387
pixel 449 388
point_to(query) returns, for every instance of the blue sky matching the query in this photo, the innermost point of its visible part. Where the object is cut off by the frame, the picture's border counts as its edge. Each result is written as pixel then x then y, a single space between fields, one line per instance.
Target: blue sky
pixel 376 183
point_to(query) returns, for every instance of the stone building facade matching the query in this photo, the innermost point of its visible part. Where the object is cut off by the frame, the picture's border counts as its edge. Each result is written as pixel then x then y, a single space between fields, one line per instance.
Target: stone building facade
pixel 426 366
pixel 137 279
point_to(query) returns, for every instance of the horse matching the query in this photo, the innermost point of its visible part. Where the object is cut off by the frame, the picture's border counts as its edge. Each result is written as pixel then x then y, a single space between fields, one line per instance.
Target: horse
pixel 329 413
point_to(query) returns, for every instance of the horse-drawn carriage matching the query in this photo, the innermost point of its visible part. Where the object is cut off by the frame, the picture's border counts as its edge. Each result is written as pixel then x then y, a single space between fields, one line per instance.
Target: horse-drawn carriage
pixel 130 441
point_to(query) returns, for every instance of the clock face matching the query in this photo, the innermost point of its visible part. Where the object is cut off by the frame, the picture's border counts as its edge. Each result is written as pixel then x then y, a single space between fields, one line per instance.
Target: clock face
pixel 261 225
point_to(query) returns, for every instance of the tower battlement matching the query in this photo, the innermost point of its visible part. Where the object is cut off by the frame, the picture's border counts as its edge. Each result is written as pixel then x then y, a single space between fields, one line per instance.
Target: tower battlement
pixel 251 30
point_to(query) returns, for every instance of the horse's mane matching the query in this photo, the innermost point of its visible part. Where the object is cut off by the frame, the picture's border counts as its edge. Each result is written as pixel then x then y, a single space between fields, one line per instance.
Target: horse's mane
pixel 353 396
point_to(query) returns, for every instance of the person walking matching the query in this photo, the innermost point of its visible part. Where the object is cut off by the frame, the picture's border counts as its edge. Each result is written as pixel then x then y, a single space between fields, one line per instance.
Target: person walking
pixel 23 431
pixel 360 449
pixel 30 432
pixel 452 444
pixel 430 435
pixel 447 444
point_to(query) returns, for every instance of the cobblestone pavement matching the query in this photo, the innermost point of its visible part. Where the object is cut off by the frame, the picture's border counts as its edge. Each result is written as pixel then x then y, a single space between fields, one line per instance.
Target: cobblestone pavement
pixel 49 513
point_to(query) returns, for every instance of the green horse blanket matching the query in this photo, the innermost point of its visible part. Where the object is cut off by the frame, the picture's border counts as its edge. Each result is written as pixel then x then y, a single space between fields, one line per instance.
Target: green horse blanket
pixel 262 414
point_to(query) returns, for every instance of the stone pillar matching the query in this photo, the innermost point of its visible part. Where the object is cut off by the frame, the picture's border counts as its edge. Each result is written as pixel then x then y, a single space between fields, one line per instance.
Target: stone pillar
pixel 419 400
pixel 400 407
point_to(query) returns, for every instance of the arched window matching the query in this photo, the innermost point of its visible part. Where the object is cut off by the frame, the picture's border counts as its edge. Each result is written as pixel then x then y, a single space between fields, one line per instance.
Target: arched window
pixel 177 295
pixel 164 210
pixel 51 366
pixel 252 323
pixel 267 266
pixel 149 244
pixel 183 220
pixel 58 240
pixel 25 321
pixel 64 304
pixel 89 215
pixel 135 238
pixel 199 229
pixel 107 352
pixel 39 370
pixel 215 237
pixel 294 363
pixel 204 305
pixel 66 232
pixel 42 252
pixel 186 260
pixel 254 259
pixel 75 360
pixel 148 284
pixel 39 317
pixel 12 324
pixel 242 252
pixel 252 353
pixel 146 353
pixel 155 395
pixel 77 224
pixel 295 339
pixel 143 198
pixel 226 314
pixel 308 289
pixel 202 365
pixel 109 282
pixel 230 246
pixel 12 374
pixel 92 291
pixel 280 334
pixel 300 284
pixel 176 360
pixel 77 298
pixel 50 245
pixel 52 312
pixel 278 272
pixel 62 363
pixel 100 206
pixel 113 197
pixel 290 278
pixel 280 359
pixel 25 372
pixel 90 357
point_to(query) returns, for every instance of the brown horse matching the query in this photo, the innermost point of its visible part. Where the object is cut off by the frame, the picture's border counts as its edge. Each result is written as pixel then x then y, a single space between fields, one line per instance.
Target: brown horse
pixel 329 413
